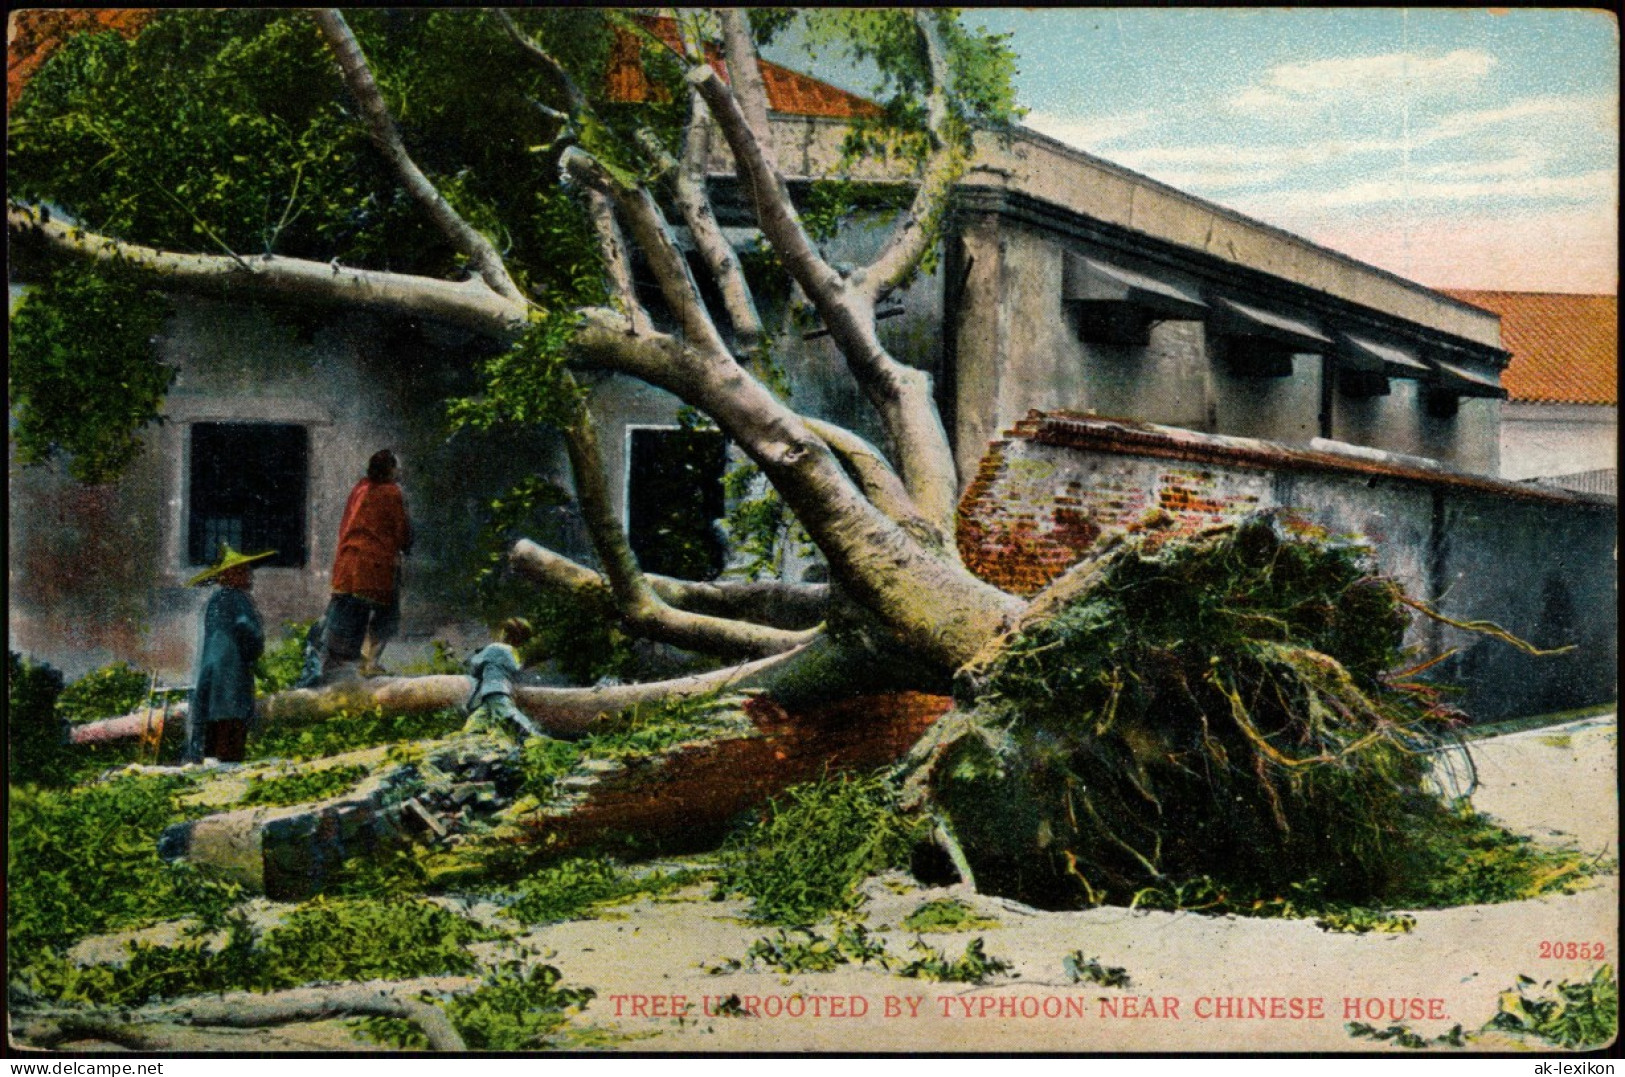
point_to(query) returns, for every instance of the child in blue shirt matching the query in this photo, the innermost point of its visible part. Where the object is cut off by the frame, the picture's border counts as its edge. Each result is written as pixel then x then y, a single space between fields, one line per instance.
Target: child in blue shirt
pixel 494 668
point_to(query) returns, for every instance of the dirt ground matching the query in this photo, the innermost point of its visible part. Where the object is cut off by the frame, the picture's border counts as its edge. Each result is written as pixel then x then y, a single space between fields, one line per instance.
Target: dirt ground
pixel 1556 783
pixel 1197 983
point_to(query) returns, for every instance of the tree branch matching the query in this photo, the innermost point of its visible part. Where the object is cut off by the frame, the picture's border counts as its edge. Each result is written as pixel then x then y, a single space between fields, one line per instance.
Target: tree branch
pixel 879 483
pixel 560 712
pixel 694 203
pixel 487 263
pixel 546 60
pixel 767 602
pixel 642 610
pixel 875 559
pixel 745 75
pixel 653 237
pixel 916 230
pixel 467 303
pixel 901 395
pixel 248 1009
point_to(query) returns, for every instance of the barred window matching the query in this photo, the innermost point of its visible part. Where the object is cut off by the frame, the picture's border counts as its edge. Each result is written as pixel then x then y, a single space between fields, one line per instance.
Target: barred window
pixel 674 499
pixel 248 489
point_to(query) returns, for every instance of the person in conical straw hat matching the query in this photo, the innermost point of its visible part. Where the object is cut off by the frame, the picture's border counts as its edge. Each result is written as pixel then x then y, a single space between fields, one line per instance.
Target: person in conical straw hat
pixel 222 700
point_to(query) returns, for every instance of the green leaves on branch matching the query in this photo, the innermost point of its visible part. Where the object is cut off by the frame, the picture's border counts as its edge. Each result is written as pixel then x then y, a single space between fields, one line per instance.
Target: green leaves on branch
pixel 529 384
pixel 84 379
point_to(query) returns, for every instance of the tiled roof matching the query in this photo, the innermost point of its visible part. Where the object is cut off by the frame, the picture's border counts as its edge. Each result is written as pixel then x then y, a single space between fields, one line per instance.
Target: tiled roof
pixel 789 92
pixel 34 34
pixel 1565 348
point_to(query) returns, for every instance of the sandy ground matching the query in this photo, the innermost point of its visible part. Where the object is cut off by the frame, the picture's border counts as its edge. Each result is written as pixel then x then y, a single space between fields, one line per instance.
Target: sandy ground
pixel 659 967
pixel 1556 783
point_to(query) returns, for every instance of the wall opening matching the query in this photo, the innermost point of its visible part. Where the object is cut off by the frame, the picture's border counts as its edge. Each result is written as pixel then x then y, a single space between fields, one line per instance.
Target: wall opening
pixel 674 499
pixel 248 488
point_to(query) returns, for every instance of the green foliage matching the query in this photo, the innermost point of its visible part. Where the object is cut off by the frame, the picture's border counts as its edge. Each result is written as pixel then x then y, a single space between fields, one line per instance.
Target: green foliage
pixel 981 71
pixel 300 788
pixel 282 661
pixel 189 968
pixel 324 939
pixel 529 383
pixel 515 1009
pixel 1402 1036
pixel 442 660
pixel 811 847
pixel 653 727
pixel 759 525
pixel 568 889
pixel 351 731
pixel 1454 859
pixel 1466 859
pixel 85 860
pixel 83 377
pixel 1213 708
pixel 368 939
pixel 643 730
pixel 1358 921
pixel 946 914
pixel 391 873
pixel 801 949
pixel 565 890
pixel 1570 1014
pixel 112 690
pixel 974 966
pixel 544 761
pixel 1080 969
pixel 36 748
pixel 830 203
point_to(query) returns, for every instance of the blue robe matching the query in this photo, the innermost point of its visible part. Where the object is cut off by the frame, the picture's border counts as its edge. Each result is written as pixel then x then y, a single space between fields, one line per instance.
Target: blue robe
pixel 232 639
pixel 493 669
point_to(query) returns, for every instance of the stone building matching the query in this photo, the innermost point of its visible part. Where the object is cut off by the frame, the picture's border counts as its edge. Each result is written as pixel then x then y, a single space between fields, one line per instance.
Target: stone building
pixel 1064 283
pixel 1561 419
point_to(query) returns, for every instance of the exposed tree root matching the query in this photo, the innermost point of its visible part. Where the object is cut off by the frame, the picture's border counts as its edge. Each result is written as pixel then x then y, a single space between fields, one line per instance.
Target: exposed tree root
pixel 159 1027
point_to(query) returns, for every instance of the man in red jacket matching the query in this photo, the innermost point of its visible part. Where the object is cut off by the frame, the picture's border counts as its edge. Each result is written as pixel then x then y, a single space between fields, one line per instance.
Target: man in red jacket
pixel 374 535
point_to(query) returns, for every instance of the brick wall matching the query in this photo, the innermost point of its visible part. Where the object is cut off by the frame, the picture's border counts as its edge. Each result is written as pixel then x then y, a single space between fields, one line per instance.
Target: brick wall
pixel 1537 561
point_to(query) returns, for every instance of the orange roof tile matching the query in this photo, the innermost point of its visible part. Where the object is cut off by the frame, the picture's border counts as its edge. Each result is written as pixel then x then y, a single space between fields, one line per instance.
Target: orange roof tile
pixel 34 34
pixel 1565 348
pixel 789 92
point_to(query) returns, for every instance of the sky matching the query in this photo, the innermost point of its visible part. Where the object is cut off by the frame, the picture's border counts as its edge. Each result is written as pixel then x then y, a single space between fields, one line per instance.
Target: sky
pixel 1460 148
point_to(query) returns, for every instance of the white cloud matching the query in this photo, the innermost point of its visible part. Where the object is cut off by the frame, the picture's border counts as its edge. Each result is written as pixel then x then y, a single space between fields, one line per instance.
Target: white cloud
pixel 1596 186
pixel 1590 110
pixel 1519 164
pixel 1091 132
pixel 1564 250
pixel 1317 84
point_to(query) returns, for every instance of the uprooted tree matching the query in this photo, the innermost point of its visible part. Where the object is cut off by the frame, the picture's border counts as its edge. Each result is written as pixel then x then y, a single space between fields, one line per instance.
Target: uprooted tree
pixel 469 166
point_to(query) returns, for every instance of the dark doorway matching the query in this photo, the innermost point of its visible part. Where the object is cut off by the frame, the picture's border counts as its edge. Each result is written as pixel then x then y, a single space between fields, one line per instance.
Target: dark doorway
pixel 673 500
pixel 248 489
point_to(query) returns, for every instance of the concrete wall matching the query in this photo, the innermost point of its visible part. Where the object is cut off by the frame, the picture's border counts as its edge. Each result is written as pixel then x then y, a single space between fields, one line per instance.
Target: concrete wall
pixel 1032 164
pixel 98 573
pixel 1016 348
pixel 1538 440
pixel 1540 564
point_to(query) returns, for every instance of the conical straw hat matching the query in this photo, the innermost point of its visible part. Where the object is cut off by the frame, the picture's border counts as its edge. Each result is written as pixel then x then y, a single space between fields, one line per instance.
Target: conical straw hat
pixel 228 559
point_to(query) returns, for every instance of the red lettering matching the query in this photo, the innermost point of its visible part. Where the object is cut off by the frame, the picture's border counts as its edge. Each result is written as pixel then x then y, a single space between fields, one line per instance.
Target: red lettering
pixel 1436 1009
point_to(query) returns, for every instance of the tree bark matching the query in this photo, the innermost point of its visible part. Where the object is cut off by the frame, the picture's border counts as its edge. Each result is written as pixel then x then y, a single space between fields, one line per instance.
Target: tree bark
pixel 469 303
pixel 561 712
pixel 381 127
pixel 774 603
pixel 151 1028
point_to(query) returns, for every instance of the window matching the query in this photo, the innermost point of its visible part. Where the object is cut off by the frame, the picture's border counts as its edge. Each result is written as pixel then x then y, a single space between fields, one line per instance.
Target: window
pixel 248 489
pixel 673 500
